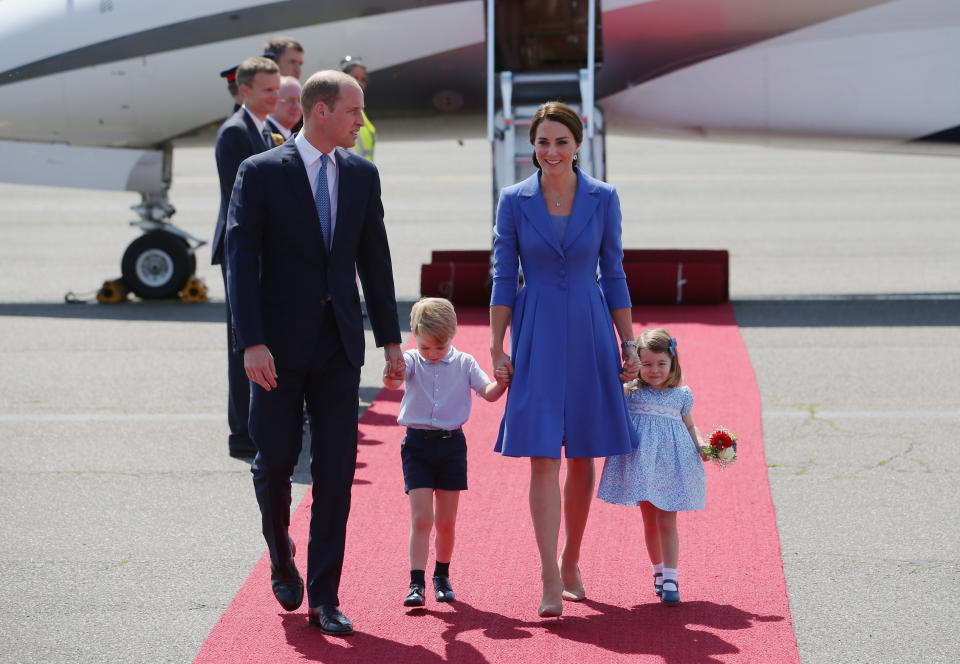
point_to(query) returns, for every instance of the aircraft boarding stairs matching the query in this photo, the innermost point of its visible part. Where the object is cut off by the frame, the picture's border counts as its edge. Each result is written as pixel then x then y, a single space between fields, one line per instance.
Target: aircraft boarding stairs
pixel 522 93
pixel 464 276
pixel 555 58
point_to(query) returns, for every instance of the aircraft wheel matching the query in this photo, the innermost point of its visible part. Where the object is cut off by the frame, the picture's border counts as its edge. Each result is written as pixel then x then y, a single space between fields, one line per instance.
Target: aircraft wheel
pixel 157 265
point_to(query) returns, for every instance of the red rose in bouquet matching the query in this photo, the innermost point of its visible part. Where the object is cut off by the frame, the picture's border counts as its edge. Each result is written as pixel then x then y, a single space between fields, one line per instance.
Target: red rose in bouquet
pixel 722 448
pixel 721 439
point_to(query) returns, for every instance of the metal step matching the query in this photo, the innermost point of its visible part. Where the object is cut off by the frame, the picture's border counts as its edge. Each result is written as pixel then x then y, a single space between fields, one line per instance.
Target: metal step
pixel 550 77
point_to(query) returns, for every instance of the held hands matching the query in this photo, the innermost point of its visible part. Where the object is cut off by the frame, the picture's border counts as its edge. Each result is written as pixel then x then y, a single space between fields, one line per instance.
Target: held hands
pixel 391 378
pixel 258 363
pixel 395 368
pixel 502 367
pixel 631 364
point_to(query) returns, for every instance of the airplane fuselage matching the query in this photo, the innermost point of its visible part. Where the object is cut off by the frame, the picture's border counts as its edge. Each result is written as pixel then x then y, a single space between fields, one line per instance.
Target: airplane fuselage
pixel 135 74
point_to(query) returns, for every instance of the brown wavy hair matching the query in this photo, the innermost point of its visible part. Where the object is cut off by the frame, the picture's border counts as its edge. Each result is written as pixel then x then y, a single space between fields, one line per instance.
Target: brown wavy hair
pixel 557 112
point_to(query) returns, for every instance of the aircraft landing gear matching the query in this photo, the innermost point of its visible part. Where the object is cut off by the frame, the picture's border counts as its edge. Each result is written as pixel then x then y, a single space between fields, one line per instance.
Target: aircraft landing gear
pixel 159 263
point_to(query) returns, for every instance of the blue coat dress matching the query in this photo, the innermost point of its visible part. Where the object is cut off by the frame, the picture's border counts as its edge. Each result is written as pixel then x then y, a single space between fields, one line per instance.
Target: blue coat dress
pixel 562 343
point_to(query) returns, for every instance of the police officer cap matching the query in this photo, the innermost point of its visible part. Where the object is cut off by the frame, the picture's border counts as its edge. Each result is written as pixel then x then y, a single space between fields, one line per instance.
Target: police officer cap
pixel 230 73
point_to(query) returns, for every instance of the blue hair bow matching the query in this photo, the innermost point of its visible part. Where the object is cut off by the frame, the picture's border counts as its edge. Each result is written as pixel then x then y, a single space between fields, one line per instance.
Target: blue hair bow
pixel 673 346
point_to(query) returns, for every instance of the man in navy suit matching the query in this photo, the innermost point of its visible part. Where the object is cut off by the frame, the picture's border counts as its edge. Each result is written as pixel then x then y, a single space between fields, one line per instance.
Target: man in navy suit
pixel 258 80
pixel 288 113
pixel 304 219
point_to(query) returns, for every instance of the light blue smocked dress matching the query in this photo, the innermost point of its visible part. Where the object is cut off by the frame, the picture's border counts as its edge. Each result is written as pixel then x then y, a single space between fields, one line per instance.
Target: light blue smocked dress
pixel 665 469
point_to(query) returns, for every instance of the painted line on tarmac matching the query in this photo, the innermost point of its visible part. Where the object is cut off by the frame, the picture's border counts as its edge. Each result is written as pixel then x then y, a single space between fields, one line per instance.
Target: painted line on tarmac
pixel 210 417
pixel 926 176
pixel 851 297
pixel 865 414
pixel 114 417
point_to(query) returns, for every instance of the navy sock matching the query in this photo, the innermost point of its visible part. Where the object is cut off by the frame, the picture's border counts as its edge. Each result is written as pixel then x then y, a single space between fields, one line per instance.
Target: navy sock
pixel 418 576
pixel 442 569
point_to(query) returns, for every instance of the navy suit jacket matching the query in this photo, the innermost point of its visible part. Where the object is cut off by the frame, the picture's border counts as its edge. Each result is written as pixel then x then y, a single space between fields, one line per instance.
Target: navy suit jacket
pixel 237 139
pixel 280 276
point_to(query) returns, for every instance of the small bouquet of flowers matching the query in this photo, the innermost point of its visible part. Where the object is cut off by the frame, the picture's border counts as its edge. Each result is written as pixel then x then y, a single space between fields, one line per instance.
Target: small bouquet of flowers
pixel 722 447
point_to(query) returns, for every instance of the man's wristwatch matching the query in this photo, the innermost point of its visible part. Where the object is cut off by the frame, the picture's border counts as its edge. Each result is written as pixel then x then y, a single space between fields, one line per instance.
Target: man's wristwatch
pixel 629 342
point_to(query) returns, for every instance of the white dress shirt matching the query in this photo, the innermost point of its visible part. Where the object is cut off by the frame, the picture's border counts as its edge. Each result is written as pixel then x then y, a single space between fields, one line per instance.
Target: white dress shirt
pixel 311 160
pixel 258 122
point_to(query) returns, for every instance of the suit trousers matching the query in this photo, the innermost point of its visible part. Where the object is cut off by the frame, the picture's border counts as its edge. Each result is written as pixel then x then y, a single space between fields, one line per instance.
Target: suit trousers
pixel 329 386
pixel 238 385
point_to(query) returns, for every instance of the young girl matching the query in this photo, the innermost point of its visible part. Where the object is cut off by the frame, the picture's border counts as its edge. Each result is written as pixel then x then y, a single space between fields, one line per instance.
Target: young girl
pixel 665 473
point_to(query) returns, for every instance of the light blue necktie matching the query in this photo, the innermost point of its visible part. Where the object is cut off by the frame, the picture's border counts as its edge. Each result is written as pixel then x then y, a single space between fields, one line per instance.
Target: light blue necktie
pixel 322 199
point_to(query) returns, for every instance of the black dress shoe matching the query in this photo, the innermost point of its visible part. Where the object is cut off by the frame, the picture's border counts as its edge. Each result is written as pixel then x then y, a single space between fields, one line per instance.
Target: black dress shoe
pixel 415 596
pixel 242 449
pixel 287 585
pixel 330 621
pixel 444 590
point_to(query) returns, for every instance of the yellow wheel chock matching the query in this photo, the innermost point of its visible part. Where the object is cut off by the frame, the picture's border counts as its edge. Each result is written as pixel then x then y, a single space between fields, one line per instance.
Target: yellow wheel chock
pixel 112 291
pixel 195 290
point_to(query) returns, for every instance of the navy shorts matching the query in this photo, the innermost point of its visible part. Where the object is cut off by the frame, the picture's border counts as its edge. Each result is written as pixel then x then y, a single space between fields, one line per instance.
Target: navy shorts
pixel 434 460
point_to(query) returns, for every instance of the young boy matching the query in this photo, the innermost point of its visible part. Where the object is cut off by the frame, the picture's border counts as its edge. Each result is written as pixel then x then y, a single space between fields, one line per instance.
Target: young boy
pixel 436 402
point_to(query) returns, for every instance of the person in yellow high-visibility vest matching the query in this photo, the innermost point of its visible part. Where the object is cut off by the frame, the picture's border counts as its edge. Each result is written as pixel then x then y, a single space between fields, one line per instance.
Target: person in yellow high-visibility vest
pixel 367 136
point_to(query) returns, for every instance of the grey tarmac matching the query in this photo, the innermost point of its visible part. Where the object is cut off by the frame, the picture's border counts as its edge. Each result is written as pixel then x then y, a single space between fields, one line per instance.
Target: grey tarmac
pixel 127 529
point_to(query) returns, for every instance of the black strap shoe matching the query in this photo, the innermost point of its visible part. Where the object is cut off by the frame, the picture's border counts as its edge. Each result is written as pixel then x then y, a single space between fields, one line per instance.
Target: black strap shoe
pixel 287 585
pixel 671 592
pixel 330 621
pixel 444 590
pixel 415 596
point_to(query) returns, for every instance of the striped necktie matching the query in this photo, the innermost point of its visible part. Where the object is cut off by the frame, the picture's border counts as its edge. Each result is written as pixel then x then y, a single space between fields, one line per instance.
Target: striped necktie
pixel 322 199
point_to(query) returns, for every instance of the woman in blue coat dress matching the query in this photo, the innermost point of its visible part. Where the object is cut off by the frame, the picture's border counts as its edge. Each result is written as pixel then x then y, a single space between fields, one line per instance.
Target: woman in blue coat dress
pixel 564 367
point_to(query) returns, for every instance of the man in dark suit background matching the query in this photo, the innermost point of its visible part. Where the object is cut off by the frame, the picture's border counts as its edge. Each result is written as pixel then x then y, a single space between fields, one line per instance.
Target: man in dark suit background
pixel 304 219
pixel 288 54
pixel 240 136
pixel 288 112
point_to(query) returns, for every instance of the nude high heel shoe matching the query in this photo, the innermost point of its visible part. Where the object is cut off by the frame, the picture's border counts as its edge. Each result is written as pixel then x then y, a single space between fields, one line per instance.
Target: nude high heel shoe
pixel 574 593
pixel 550 608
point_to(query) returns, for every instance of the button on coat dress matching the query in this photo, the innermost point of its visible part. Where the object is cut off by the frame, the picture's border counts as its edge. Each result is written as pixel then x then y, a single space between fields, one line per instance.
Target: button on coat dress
pixel 563 346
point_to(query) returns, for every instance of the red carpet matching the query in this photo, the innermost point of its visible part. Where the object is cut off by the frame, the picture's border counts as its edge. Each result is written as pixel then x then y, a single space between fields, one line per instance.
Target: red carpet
pixel 734 606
